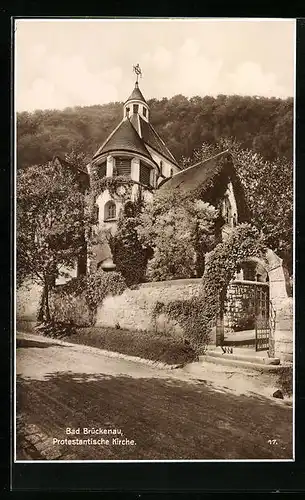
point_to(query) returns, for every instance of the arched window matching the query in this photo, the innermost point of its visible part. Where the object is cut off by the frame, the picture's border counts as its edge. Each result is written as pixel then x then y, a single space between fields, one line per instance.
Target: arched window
pixel 171 172
pixel 110 210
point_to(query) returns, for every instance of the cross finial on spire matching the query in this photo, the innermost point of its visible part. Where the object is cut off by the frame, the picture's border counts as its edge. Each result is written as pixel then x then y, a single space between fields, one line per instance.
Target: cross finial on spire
pixel 137 70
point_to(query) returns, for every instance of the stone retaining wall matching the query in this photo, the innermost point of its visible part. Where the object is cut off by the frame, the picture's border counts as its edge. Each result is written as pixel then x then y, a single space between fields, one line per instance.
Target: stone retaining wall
pixel 27 301
pixel 133 309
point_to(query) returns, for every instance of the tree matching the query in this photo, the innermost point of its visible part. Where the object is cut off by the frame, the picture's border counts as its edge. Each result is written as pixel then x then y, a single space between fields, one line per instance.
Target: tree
pixel 260 124
pixel 179 230
pixel 129 255
pixel 268 187
pixel 50 225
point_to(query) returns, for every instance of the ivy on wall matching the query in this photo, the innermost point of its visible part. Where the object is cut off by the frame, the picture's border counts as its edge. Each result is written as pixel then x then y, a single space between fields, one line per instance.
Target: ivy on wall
pixel 119 186
pixel 197 314
pixel 76 302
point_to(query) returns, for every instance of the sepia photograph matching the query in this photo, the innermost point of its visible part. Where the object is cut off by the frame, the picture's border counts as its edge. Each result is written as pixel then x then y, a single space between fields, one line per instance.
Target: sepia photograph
pixel 154 239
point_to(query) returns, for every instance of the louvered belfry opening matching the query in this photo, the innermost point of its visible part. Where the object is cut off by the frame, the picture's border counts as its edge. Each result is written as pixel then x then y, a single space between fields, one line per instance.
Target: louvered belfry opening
pixel 144 174
pixel 123 166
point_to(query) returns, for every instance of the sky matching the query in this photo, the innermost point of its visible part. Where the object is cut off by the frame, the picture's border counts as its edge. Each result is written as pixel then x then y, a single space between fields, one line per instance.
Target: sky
pixel 66 63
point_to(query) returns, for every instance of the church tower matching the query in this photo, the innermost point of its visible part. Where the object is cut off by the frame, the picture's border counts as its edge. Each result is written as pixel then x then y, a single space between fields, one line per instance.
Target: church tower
pixel 134 151
pixel 136 105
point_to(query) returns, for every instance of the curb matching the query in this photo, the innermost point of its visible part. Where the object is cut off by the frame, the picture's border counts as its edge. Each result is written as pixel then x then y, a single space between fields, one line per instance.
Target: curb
pixel 97 350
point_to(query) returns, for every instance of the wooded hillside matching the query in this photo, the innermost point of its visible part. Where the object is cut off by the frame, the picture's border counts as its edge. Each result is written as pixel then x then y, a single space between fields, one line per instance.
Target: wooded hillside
pixel 261 124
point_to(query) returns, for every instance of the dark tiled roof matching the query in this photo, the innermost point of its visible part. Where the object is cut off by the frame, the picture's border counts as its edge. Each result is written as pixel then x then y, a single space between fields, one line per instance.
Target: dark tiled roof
pixel 150 137
pixel 135 121
pixel 136 94
pixel 197 175
pixel 125 138
pixel 208 177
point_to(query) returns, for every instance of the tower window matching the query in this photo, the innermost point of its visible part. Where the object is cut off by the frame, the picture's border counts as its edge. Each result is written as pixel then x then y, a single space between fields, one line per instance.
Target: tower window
pixel 144 111
pixel 102 170
pixel 127 111
pixel 109 210
pixel 123 166
pixel 171 172
pixel 135 108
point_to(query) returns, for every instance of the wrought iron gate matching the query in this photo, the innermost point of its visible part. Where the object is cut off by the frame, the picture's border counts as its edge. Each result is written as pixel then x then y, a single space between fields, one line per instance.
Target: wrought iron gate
pixel 244 317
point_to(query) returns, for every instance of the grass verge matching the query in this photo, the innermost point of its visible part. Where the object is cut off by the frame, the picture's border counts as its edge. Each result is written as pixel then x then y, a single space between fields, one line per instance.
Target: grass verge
pixel 147 345
pixel 285 380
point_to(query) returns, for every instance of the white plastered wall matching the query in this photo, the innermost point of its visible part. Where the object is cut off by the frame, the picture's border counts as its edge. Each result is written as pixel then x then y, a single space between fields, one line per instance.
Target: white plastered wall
pixel 167 165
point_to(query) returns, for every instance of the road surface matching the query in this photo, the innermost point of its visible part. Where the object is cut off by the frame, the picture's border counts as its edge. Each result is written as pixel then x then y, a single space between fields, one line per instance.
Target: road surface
pixel 77 404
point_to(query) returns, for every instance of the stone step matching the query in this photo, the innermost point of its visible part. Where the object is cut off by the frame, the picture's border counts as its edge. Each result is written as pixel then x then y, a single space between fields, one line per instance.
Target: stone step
pixel 251 358
pixel 251 362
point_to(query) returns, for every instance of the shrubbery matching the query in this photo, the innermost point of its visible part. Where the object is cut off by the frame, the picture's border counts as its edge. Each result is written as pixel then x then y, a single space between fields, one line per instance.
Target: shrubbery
pixel 147 345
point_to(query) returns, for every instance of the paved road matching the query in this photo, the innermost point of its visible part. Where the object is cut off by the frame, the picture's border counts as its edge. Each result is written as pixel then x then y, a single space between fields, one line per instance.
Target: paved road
pixel 121 410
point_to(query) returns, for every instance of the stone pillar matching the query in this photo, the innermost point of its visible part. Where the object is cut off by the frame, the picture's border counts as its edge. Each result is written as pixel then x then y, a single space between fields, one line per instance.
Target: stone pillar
pixel 110 165
pixel 283 335
pixel 277 282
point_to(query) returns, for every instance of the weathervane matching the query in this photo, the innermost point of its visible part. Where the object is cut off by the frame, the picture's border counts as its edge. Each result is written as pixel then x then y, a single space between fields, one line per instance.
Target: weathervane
pixel 137 70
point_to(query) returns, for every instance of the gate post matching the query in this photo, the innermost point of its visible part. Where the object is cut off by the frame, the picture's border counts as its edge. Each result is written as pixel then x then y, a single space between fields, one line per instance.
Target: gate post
pixel 220 319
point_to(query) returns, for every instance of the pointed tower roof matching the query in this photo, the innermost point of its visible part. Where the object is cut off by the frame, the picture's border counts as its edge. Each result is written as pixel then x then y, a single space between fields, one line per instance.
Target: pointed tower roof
pixel 152 139
pixel 136 94
pixel 124 138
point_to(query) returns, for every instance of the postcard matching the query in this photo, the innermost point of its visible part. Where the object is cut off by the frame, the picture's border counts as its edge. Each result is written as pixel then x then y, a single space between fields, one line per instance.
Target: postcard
pixel 154 214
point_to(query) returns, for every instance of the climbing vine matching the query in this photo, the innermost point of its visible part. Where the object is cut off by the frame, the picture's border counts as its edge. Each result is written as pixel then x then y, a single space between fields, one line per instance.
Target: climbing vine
pixel 197 314
pixel 119 186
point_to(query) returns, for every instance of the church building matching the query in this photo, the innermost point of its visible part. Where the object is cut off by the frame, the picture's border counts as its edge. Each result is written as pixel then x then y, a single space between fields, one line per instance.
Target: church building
pixel 134 150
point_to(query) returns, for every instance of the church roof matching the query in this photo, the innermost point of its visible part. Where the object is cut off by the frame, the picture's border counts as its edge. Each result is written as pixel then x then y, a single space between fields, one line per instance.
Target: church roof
pixel 197 175
pixel 152 139
pixel 136 94
pixel 125 138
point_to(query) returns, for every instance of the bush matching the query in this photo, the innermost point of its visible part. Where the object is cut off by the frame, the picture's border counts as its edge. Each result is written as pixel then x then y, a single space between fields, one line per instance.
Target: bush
pixel 68 303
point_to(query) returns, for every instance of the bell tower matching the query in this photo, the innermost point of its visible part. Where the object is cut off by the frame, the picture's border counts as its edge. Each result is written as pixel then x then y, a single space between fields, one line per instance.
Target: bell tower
pixel 136 104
